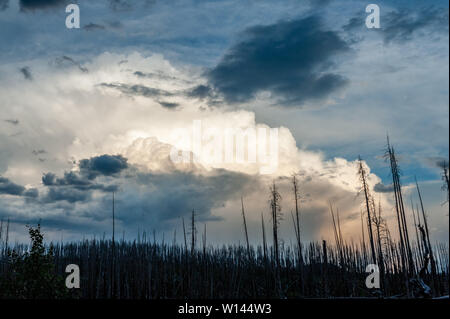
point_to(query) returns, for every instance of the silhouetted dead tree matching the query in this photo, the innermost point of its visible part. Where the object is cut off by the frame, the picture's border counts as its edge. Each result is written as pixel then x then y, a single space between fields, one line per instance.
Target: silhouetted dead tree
pixel 297 228
pixel 363 236
pixel 416 225
pixel 337 234
pixel 7 236
pixel 422 289
pixel 245 228
pixel 406 254
pixel 427 233
pixel 264 237
pixel 365 188
pixel 204 240
pixel 275 207
pixel 184 234
pixel 297 218
pixel 379 223
pixel 193 232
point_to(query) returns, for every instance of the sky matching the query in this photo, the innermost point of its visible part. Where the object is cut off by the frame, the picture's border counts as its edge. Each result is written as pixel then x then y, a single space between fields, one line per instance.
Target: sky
pixel 89 111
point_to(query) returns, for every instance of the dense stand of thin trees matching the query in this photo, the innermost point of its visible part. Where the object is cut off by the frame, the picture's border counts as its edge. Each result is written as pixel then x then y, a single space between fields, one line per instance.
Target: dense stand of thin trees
pixel 147 269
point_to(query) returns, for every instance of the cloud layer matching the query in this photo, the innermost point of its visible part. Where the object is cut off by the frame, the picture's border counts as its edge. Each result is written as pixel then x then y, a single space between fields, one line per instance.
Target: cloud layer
pixel 94 111
pixel 131 156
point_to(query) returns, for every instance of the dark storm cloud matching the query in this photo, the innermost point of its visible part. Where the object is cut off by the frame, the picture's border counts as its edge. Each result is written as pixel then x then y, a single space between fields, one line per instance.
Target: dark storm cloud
pixel 103 165
pixel 76 181
pixel 93 26
pixel 78 186
pixel 4 4
pixel 166 197
pixel 69 179
pixel 70 195
pixel 74 192
pixel 169 105
pixel 381 188
pixel 106 165
pixel 32 193
pixel 12 121
pixel 26 5
pixel 290 59
pixel 26 72
pixel 201 92
pixel 137 90
pixel 66 60
pixel 140 74
pixel 48 179
pixel 111 25
pixel 9 188
pixel 146 199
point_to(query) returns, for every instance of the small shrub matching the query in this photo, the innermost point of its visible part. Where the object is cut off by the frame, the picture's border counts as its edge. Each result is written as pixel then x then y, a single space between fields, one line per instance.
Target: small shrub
pixel 32 274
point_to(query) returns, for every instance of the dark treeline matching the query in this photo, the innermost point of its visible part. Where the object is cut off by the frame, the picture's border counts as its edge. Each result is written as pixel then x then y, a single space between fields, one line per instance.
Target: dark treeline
pixel 145 269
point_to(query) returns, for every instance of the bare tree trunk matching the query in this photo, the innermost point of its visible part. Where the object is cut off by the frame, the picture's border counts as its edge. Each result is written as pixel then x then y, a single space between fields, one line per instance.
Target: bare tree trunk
pixel 365 188
pixel 425 291
pixel 298 232
pixel 184 234
pixel 264 237
pixel 276 215
pixel 433 264
pixel 363 236
pixel 416 224
pixel 405 250
pixel 336 236
pixel 245 228
pixel 193 231
pixel 7 236
pixel 380 250
pixel 204 241
pixel 275 206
